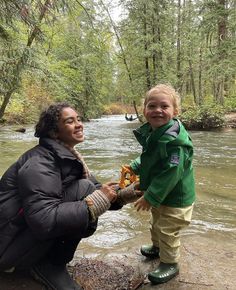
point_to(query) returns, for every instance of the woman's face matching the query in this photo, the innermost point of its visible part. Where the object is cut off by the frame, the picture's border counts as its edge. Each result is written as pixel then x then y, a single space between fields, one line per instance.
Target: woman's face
pixel 70 128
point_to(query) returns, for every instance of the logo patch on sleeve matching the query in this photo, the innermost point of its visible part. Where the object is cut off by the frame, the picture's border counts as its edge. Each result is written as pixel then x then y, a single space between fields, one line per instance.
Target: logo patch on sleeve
pixel 174 159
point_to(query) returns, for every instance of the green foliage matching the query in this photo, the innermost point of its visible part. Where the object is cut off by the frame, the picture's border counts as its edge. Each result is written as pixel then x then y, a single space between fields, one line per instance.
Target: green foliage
pixel 203 117
pixel 80 65
pixel 117 109
pixel 15 111
pixel 26 105
pixel 113 109
pixel 187 101
pixel 69 54
pixel 189 44
pixel 230 104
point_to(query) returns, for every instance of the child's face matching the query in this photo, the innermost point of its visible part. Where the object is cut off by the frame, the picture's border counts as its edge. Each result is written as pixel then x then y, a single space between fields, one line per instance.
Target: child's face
pixel 159 110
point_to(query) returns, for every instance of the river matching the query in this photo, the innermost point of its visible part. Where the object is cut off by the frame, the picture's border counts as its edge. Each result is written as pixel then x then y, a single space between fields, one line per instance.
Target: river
pixel 110 143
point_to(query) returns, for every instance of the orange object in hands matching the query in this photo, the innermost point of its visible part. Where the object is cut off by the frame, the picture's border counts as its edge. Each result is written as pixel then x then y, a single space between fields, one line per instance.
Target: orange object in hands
pixel 127 177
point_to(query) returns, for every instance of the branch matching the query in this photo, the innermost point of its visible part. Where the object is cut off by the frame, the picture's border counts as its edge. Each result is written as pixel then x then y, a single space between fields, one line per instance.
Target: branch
pixel 36 29
pixel 120 44
pixel 86 11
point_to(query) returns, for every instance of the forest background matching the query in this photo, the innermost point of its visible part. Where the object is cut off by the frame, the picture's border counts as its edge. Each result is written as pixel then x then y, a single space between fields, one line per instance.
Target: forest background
pixel 82 52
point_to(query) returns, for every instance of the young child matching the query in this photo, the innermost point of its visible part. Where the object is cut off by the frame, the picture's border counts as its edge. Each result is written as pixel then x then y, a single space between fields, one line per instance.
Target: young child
pixel 166 178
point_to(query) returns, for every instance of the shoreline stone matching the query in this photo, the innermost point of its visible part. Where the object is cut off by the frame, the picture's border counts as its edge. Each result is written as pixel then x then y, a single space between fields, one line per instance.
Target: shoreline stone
pixel 206 263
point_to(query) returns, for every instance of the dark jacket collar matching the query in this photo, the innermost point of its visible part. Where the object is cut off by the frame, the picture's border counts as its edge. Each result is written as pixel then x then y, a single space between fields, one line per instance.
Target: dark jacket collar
pixel 57 148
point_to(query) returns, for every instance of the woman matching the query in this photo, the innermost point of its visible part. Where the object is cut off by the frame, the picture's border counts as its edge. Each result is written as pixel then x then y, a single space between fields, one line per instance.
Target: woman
pixel 49 201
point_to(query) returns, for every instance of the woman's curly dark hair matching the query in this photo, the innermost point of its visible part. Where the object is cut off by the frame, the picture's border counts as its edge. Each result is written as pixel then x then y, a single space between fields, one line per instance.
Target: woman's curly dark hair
pixel 47 125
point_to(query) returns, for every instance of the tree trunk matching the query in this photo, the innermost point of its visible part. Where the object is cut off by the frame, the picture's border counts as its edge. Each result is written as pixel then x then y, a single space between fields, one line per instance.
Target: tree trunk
pixel 23 59
pixel 192 81
pixel 140 117
pixel 156 39
pixel 178 60
pixel 147 70
pixel 222 35
pixel 154 54
pixel 6 99
pixel 120 45
pixel 200 97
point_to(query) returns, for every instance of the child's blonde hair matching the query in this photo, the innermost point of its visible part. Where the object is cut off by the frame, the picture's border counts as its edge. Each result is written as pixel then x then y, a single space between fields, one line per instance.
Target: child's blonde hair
pixel 164 89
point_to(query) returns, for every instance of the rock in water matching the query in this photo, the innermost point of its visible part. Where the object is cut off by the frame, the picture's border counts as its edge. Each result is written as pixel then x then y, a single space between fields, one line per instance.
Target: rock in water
pixel 21 130
pixel 94 274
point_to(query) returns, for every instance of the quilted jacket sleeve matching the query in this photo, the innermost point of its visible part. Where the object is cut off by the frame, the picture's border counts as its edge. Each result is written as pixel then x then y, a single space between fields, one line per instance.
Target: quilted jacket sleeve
pixel 45 211
pixel 135 165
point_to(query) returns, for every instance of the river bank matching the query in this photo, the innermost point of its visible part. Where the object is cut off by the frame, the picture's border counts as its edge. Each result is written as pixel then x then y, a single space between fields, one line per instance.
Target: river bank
pixel 206 263
pixel 230 120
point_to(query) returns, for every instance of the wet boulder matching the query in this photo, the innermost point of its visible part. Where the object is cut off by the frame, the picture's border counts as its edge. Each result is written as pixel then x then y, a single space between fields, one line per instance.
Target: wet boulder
pixel 94 274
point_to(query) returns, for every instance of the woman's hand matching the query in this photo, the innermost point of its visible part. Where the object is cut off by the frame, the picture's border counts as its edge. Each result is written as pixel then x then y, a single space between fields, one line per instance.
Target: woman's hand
pixel 112 184
pixel 109 191
pixel 142 204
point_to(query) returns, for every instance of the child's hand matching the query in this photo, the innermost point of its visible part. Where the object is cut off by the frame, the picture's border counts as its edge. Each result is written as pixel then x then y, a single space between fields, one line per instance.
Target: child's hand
pixel 128 194
pixel 129 168
pixel 142 204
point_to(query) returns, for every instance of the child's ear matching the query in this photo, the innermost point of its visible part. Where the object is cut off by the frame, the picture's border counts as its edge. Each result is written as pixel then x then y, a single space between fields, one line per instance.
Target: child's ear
pixel 176 112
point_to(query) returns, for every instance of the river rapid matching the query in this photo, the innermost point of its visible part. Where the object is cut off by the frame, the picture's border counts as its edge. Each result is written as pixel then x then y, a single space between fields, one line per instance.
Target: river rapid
pixel 110 143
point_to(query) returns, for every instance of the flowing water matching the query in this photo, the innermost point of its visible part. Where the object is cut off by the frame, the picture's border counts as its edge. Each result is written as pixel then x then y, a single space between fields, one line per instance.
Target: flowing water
pixel 110 143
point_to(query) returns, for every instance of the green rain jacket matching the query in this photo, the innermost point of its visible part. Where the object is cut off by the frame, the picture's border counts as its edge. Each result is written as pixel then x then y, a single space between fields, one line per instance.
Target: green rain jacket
pixel 165 165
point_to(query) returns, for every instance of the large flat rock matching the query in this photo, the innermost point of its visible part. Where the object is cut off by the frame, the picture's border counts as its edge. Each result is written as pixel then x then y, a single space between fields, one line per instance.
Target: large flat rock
pixel 206 263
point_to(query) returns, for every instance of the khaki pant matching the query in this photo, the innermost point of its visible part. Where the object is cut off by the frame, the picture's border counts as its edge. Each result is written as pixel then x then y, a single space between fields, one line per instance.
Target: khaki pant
pixel 166 224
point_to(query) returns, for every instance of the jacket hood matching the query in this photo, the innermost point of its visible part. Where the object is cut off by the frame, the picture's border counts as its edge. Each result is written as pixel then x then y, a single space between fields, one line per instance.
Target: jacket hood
pixel 173 132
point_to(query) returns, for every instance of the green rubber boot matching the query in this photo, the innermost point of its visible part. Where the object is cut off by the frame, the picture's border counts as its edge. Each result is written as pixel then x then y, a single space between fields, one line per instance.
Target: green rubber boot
pixel 150 251
pixel 163 273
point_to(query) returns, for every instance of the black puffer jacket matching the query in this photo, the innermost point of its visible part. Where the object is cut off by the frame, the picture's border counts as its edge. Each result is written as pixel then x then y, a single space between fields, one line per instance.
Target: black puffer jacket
pixel 37 192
